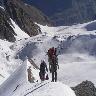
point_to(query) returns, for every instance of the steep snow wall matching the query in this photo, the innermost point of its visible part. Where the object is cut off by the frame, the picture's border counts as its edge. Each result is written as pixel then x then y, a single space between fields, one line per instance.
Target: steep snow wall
pixel 14 81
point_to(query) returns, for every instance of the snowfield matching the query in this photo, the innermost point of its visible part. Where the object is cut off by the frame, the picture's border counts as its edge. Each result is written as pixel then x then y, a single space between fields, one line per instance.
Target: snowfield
pixel 76 56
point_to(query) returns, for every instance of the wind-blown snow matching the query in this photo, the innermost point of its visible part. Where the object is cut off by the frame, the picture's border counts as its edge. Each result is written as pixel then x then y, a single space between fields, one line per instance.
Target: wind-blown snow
pixel 80 67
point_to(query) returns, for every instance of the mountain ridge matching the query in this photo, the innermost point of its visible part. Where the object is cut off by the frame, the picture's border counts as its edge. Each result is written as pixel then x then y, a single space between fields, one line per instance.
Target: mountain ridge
pixel 76 11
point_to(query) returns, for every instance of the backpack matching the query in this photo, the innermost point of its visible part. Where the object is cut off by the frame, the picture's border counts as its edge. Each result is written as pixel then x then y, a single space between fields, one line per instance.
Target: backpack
pixel 51 52
pixel 54 59
pixel 42 67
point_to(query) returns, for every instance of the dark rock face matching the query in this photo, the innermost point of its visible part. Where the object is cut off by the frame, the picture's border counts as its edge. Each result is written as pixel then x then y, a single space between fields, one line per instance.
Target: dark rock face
pixel 86 88
pixel 15 10
pixel 24 16
pixel 6 31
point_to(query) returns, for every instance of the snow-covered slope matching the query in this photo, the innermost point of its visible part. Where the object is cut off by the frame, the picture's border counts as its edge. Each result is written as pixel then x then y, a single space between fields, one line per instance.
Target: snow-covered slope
pixel 20 34
pixel 6 62
pixel 14 81
pixel 76 64
pixel 52 89
pixel 18 85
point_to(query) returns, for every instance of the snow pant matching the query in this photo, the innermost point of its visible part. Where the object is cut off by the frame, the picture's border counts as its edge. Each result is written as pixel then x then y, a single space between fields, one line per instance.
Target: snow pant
pixel 42 76
pixel 54 76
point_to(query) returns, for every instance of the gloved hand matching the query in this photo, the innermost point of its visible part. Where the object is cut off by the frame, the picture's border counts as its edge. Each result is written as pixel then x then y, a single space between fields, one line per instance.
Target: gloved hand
pixel 58 66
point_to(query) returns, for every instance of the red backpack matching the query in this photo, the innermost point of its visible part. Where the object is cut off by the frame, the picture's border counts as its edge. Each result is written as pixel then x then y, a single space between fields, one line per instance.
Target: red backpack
pixel 51 52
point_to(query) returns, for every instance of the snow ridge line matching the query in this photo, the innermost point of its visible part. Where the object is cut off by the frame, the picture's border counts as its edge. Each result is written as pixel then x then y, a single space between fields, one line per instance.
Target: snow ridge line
pixel 36 89
pixel 32 87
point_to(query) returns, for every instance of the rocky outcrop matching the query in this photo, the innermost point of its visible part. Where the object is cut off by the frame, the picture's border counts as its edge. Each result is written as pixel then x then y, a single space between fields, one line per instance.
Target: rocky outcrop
pixel 24 16
pixel 15 9
pixel 6 31
pixel 86 88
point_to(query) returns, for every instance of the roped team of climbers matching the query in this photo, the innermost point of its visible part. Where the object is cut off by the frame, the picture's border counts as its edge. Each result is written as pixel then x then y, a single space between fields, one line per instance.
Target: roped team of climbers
pixel 53 65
